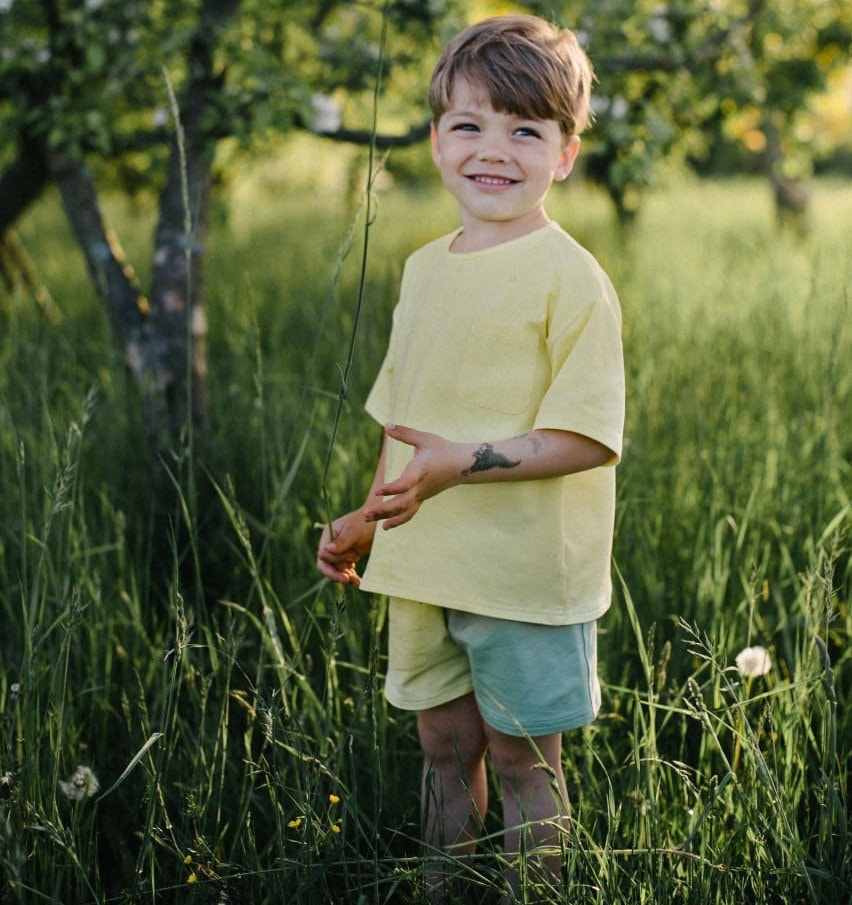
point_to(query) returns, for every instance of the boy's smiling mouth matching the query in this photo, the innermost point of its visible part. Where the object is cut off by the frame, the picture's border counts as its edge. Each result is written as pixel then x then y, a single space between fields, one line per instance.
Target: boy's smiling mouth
pixel 491 181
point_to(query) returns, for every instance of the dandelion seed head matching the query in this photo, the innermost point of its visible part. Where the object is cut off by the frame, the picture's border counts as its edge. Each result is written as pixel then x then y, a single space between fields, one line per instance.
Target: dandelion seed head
pixel 753 661
pixel 82 784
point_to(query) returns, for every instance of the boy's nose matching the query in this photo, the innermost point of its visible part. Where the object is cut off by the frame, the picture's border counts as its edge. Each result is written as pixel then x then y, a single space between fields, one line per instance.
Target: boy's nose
pixel 493 152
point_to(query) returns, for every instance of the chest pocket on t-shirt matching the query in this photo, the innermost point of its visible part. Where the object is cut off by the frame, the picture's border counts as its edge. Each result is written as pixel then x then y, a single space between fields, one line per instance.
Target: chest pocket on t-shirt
pixel 497 369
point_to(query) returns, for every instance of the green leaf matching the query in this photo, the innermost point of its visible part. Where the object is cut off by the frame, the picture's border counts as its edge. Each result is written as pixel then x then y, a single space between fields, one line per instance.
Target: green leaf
pixel 155 736
pixel 95 57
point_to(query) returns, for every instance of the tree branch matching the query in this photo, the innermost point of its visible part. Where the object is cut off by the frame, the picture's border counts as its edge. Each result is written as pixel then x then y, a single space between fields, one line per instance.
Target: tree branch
pixel 707 53
pixel 414 135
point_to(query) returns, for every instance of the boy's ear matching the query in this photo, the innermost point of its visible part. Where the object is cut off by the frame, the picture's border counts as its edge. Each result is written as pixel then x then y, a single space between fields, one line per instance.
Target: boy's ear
pixel 566 160
pixel 433 140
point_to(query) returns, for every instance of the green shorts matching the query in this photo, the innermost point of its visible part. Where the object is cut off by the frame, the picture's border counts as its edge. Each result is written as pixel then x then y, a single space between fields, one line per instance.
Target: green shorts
pixel 528 679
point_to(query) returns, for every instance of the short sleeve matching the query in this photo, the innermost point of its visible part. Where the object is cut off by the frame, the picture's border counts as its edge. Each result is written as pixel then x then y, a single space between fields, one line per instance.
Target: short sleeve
pixel 379 404
pixel 586 391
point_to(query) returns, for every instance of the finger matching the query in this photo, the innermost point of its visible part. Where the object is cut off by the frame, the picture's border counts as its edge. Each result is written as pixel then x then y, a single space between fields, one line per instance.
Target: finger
pixel 406 434
pixel 351 576
pixel 339 563
pixel 331 551
pixel 339 551
pixel 344 538
pixel 400 485
pixel 396 507
pixel 342 576
pixel 342 572
pixel 406 516
pixel 389 508
pixel 409 478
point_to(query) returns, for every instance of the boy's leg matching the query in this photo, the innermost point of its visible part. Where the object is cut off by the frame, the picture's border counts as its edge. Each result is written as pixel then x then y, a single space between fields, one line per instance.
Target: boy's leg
pixel 455 788
pixel 455 791
pixel 533 791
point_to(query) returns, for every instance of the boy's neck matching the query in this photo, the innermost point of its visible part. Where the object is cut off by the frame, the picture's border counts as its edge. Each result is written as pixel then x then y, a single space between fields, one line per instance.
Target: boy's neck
pixel 479 236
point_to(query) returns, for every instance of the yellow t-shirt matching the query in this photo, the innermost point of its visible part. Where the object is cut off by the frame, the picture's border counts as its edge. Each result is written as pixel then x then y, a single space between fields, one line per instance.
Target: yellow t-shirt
pixel 485 346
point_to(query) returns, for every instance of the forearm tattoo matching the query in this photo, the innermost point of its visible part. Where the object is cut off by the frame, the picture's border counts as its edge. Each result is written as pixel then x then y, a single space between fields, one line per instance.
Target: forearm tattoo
pixel 536 441
pixel 484 459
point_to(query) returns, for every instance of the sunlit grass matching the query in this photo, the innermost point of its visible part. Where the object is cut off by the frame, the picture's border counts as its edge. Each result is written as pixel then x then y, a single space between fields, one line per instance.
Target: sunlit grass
pixel 230 704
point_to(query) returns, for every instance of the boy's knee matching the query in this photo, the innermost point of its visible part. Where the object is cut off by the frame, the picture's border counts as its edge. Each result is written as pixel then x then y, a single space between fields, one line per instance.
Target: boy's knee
pixel 512 764
pixel 516 759
pixel 443 748
pixel 453 732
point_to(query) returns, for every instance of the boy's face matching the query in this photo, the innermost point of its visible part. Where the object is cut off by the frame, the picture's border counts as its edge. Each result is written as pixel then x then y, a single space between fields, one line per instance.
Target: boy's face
pixel 499 166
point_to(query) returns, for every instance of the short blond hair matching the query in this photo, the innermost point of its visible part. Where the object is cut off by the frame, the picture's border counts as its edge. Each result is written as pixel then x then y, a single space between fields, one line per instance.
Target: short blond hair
pixel 525 66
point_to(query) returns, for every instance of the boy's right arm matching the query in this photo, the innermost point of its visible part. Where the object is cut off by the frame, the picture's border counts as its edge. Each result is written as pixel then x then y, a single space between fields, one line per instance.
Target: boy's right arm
pixel 352 536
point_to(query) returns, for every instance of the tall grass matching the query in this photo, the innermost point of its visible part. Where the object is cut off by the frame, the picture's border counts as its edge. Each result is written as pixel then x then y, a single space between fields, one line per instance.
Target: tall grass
pixel 229 702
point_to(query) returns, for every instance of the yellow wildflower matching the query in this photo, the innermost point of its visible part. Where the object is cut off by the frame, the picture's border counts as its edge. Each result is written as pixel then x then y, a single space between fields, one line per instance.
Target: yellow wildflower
pixel 334 799
pixel 295 824
pixel 187 859
pixel 335 828
pixel 192 878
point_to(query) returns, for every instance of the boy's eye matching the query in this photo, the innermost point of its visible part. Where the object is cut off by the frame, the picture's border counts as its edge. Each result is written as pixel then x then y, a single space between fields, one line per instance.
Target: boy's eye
pixel 528 130
pixel 465 127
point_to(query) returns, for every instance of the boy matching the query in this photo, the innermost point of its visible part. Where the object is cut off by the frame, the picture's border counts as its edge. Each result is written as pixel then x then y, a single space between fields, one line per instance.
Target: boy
pixel 497 496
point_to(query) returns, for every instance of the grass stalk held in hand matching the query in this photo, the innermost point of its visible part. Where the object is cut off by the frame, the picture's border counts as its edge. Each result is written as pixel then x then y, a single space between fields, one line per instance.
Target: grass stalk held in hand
pixel 369 215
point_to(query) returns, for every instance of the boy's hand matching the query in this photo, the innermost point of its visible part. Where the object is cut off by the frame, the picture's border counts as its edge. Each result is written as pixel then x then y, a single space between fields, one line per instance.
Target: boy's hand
pixel 353 537
pixel 437 464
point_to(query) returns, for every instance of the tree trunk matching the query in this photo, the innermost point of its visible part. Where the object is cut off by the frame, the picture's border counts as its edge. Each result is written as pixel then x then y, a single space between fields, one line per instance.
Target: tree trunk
pixel 792 199
pixel 177 300
pixel 176 352
pixel 154 335
pixel 113 277
pixel 162 336
pixel 128 309
pixel 20 184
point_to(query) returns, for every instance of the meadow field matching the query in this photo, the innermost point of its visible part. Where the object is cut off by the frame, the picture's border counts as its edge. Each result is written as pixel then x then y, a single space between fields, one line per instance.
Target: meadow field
pixel 188 714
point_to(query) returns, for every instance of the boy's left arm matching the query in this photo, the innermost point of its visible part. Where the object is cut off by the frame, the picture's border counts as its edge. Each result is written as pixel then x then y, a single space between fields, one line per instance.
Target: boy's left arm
pixel 438 464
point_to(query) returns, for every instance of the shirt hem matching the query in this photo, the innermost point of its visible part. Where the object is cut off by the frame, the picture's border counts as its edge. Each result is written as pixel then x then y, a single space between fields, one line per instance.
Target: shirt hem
pixel 403 703
pixel 571 616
